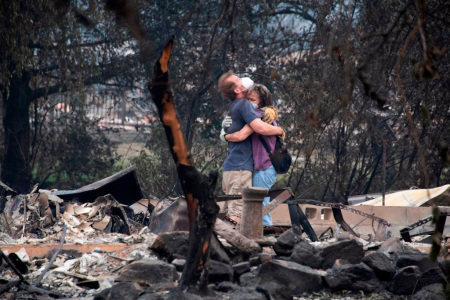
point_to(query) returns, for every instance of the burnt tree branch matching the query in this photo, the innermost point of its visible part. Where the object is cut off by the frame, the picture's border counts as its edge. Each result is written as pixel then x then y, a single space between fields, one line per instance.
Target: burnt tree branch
pixel 198 188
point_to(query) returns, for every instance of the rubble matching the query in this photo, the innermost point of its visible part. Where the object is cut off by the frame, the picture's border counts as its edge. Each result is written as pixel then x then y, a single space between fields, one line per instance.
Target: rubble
pixel 108 253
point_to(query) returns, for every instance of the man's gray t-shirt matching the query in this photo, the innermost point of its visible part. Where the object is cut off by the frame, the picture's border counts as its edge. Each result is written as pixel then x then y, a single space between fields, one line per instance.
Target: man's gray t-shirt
pixel 240 155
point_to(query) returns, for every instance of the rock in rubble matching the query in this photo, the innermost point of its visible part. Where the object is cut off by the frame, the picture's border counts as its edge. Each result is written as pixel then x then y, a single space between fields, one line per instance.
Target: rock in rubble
pixel 171 245
pixel 381 264
pixel 226 287
pixel 353 277
pixel 292 276
pixel 124 291
pixel 217 252
pixel 169 215
pixel 349 250
pixel 179 264
pixel 219 272
pixel 260 258
pixel 431 276
pixel 241 268
pixel 247 294
pixel 414 258
pixel 149 271
pixel 102 295
pixel 431 292
pixel 175 245
pixel 391 246
pixel 248 279
pixel 275 291
pixel 286 242
pixel 170 296
pixel 306 254
pixel 237 292
pixel 405 281
pixel 444 264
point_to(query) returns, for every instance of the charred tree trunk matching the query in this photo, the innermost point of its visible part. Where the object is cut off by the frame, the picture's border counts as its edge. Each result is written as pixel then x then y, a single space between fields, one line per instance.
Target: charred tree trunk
pixel 198 188
pixel 15 167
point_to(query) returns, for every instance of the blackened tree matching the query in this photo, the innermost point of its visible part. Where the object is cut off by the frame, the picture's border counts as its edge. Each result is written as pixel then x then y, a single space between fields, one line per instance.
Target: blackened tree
pixel 47 48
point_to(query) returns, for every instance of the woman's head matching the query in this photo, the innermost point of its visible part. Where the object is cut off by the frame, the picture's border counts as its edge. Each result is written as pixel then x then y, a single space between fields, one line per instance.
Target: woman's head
pixel 260 95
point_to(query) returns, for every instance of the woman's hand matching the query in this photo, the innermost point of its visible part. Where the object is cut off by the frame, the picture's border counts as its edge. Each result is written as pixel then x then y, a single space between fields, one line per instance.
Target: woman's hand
pixel 270 114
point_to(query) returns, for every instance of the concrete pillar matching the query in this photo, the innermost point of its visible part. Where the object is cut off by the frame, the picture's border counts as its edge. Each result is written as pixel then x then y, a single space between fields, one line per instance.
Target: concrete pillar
pixel 251 221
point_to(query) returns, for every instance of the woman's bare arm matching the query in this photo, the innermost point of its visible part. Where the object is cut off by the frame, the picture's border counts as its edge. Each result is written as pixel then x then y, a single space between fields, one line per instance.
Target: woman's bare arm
pixel 240 135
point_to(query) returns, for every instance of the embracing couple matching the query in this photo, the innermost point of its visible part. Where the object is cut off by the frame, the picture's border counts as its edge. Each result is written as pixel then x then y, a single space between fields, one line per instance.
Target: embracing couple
pixel 248 163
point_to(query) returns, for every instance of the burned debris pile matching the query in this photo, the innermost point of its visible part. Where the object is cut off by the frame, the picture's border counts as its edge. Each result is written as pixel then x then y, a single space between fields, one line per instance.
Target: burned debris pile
pixel 103 249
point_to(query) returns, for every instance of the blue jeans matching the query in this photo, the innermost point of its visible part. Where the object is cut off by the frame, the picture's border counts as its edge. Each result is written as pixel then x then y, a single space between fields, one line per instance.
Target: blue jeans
pixel 265 179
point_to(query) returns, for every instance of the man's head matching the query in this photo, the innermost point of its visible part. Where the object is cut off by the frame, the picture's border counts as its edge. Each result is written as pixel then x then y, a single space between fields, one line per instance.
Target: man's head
pixel 260 95
pixel 230 85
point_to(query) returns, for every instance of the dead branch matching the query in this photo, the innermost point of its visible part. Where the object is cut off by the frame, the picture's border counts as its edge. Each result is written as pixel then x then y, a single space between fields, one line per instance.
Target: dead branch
pixel 402 53
pixel 77 275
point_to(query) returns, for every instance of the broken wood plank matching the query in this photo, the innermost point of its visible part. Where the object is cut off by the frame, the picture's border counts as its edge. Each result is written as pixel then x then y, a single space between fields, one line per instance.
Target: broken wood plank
pixel 277 201
pixel 236 239
pixel 77 275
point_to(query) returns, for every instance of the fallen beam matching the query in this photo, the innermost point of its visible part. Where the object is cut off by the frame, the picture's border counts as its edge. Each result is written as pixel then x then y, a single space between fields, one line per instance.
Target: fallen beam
pixel 236 239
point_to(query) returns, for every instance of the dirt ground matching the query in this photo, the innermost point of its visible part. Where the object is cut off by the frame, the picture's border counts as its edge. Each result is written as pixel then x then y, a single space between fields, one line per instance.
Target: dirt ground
pixel 129 143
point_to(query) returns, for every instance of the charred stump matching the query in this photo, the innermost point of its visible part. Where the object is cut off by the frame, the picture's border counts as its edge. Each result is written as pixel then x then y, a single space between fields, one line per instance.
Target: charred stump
pixel 198 188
